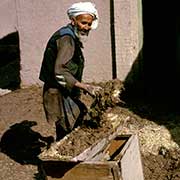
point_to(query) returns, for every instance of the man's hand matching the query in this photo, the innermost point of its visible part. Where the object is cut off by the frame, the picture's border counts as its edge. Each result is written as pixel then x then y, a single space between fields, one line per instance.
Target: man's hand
pixel 90 89
pixel 93 90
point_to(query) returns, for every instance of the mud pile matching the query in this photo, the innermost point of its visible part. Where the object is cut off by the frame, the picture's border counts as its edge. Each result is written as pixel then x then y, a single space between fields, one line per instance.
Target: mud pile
pixel 97 125
pixel 155 128
pixel 108 97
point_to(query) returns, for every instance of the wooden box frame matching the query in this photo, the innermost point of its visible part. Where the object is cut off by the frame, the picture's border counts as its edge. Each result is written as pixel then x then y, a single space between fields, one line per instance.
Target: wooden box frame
pixel 116 158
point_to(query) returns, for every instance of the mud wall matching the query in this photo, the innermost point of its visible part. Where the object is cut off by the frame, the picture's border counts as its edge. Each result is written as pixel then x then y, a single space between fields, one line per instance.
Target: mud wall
pixel 35 21
pixel 8 17
pixel 128 34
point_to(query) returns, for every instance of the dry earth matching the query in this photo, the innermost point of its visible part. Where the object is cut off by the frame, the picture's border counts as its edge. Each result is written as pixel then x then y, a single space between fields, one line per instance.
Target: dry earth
pixel 24 133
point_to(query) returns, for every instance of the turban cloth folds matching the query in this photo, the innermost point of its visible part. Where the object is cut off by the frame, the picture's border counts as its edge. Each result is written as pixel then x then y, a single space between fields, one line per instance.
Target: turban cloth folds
pixel 84 8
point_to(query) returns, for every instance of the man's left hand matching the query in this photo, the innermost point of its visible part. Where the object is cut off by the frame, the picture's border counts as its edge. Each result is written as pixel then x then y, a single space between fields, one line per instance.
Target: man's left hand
pixel 93 90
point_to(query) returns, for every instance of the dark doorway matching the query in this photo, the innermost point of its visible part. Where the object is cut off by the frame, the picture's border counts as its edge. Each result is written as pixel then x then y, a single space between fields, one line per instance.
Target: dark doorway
pixel 156 76
pixel 160 73
pixel 10 62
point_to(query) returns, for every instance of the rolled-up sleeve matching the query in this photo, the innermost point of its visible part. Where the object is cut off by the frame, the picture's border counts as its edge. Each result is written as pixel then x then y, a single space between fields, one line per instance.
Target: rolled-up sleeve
pixel 66 48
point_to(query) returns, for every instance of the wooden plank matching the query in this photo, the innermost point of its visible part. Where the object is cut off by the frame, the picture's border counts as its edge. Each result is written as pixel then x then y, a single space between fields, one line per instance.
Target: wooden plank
pixel 89 153
pixel 94 150
pixel 124 162
pixel 125 147
pixel 81 171
pixel 130 163
pixel 115 148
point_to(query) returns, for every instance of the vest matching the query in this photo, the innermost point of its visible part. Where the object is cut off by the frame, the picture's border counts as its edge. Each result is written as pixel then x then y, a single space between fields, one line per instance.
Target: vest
pixel 75 65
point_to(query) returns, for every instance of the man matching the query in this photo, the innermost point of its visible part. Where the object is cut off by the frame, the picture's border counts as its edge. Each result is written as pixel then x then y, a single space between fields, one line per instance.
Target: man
pixel 62 70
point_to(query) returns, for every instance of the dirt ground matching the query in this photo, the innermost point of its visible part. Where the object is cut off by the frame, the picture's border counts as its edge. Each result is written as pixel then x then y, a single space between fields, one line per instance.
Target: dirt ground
pixel 24 132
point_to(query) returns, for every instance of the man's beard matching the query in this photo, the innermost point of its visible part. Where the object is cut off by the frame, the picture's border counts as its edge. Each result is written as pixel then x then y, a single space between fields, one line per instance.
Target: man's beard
pixel 83 36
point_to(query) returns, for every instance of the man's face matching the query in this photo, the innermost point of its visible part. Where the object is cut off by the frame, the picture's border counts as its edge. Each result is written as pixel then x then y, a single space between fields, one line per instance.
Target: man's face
pixel 83 24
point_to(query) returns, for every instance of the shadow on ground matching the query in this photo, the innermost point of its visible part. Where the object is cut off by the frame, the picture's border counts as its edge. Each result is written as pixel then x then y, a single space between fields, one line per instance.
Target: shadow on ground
pixel 162 111
pixel 23 145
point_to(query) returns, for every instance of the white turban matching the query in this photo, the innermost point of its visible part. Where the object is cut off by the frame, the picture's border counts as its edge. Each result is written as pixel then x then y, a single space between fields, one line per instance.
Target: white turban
pixel 84 8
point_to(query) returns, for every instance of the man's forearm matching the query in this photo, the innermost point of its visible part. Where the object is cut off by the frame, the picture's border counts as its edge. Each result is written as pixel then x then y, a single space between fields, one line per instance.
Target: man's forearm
pixel 81 85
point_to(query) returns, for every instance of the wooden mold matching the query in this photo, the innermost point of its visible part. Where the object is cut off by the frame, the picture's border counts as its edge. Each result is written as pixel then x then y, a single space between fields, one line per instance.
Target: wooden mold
pixel 113 158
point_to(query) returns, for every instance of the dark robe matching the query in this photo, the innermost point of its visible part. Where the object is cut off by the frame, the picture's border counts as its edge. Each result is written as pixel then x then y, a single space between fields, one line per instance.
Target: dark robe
pixel 63 57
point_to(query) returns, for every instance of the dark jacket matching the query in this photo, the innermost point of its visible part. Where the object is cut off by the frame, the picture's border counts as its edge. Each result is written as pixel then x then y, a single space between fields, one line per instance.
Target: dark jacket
pixel 74 67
